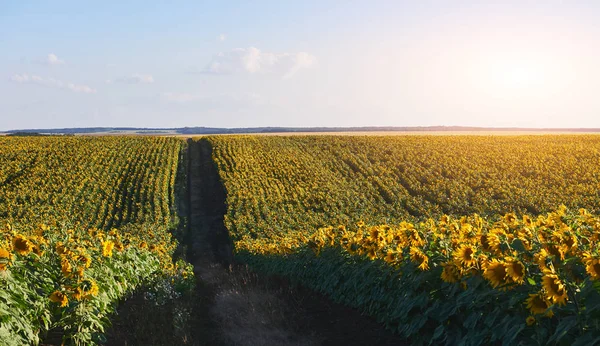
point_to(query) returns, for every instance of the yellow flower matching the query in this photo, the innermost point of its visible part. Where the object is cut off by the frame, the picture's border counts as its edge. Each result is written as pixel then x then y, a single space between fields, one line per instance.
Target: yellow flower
pixel 5 258
pixel 554 288
pixel 515 271
pixel 530 320
pixel 592 266
pixel 540 258
pixel 61 249
pixel 59 297
pixel 419 258
pixel 537 303
pixel 22 245
pixel 107 248
pixel 465 255
pixel 37 250
pixel 495 273
pixel 84 260
pixel 371 253
pixel 450 273
pixel 87 288
pixel 65 267
pixel 391 257
pixel 374 233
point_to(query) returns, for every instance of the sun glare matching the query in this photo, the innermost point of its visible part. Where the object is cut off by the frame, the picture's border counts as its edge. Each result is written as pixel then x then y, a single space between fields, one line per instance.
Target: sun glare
pixel 516 74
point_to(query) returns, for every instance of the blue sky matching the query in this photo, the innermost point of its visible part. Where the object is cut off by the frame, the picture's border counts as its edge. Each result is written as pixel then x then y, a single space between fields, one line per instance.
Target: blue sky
pixel 299 63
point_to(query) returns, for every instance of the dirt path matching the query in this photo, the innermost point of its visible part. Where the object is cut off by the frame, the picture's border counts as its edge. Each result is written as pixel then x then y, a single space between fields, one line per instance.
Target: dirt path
pixel 232 305
pixel 251 309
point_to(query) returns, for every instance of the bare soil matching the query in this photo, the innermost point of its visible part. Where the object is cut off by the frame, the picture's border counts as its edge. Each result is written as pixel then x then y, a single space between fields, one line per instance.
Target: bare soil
pixel 232 304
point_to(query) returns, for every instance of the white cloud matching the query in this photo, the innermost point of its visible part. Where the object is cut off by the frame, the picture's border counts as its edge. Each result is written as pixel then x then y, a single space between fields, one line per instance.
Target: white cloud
pixel 252 60
pixel 222 37
pixel 52 83
pixel 52 60
pixel 136 79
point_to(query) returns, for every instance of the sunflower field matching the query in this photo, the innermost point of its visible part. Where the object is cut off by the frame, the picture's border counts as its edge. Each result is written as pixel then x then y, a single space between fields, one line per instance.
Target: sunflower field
pixel 83 222
pixel 445 239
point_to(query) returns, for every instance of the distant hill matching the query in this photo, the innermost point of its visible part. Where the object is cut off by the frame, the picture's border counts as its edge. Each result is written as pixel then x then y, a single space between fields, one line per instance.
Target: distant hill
pixel 242 130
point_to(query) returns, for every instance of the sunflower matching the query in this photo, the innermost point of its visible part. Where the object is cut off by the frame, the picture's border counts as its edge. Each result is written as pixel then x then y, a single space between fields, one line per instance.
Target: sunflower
pixel 37 250
pixel 391 257
pixel 89 287
pixel 59 297
pixel 592 266
pixel 493 238
pixel 374 233
pixel 450 273
pixel 510 219
pixel 554 288
pixel 465 255
pixel 419 258
pixel 495 273
pixel 371 253
pixel 541 258
pixel 22 245
pixel 558 251
pixel 84 260
pixel 5 258
pixel 65 267
pixel 537 303
pixel 61 249
pixel 530 320
pixel 485 245
pixel 107 248
pixel 515 271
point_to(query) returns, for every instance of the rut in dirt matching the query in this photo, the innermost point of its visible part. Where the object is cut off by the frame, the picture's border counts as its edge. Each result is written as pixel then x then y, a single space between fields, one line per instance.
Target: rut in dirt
pixel 237 306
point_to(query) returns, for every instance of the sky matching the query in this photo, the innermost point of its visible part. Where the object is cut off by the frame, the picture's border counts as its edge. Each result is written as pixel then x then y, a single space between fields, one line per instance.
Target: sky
pixel 299 63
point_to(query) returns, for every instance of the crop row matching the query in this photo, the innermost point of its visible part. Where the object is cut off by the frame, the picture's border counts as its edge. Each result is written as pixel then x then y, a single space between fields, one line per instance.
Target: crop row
pixel 497 277
pixel 83 222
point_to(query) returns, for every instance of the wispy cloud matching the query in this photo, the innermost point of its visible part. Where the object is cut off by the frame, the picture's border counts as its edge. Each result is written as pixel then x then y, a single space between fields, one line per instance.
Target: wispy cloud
pixel 51 60
pixel 51 83
pixel 252 60
pixel 221 37
pixel 134 79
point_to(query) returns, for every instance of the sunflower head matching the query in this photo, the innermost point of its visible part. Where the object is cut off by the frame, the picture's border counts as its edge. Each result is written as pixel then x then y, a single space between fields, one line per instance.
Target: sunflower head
pixel 592 265
pixel 5 258
pixel 371 253
pixel 87 288
pixel 530 320
pixel 84 260
pixel 59 297
pixel 22 245
pixel 65 267
pixel 537 303
pixel 495 273
pixel 374 233
pixel 419 258
pixel 450 273
pixel 107 248
pixel 554 288
pixel 515 271
pixel 391 257
pixel 465 255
